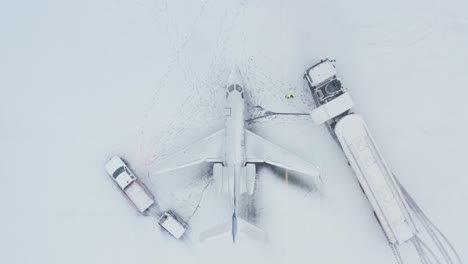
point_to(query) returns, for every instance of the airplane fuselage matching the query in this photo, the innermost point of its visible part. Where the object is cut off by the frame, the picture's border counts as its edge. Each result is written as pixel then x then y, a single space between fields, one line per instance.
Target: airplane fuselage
pixel 234 156
pixel 235 137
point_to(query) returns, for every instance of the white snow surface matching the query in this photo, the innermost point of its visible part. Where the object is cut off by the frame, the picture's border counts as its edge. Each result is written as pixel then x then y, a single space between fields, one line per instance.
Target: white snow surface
pixel 82 81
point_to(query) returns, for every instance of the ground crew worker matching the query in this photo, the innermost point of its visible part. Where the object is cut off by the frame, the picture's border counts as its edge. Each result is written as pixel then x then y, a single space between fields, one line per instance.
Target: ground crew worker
pixel 289 96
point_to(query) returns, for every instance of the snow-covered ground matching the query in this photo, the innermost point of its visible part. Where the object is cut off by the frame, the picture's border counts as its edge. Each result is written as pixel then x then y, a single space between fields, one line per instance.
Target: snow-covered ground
pixel 81 81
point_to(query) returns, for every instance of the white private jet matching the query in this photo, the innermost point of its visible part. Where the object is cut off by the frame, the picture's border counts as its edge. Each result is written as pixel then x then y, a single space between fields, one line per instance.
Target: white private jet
pixel 234 151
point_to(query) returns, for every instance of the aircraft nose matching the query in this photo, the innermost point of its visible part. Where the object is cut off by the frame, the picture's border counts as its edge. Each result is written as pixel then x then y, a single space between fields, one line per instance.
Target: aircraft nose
pixel 235 76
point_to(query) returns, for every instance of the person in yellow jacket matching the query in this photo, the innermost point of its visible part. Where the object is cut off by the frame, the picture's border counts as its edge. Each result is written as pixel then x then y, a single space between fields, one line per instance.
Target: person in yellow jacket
pixel 289 96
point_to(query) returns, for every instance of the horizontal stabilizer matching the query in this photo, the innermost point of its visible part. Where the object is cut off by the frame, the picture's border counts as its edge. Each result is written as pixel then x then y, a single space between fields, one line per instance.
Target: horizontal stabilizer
pixel 219 231
pixel 225 231
pixel 251 231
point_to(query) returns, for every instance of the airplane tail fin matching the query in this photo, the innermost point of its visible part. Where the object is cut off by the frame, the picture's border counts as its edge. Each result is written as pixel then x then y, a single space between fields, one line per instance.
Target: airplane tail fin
pixel 225 230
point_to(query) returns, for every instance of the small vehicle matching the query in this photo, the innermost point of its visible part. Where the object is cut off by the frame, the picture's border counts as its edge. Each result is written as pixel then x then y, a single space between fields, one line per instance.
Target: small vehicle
pixel 134 190
pixel 172 224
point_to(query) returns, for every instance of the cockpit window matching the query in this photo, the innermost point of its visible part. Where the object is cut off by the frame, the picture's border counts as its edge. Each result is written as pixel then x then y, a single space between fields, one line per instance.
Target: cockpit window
pixel 231 88
pixel 118 172
pixel 238 88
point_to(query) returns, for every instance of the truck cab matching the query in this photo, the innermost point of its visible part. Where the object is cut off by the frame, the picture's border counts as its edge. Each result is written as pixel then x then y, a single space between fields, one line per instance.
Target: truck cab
pixel 331 98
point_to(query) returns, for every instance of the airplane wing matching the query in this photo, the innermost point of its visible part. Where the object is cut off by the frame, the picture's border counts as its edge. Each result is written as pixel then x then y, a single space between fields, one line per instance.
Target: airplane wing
pixel 209 149
pixel 258 149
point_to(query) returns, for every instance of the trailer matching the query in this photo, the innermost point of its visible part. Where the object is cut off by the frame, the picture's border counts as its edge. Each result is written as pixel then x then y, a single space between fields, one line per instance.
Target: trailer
pixel 172 224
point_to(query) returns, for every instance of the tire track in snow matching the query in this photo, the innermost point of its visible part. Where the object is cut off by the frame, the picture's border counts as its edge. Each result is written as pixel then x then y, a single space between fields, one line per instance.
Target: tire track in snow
pixel 175 60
